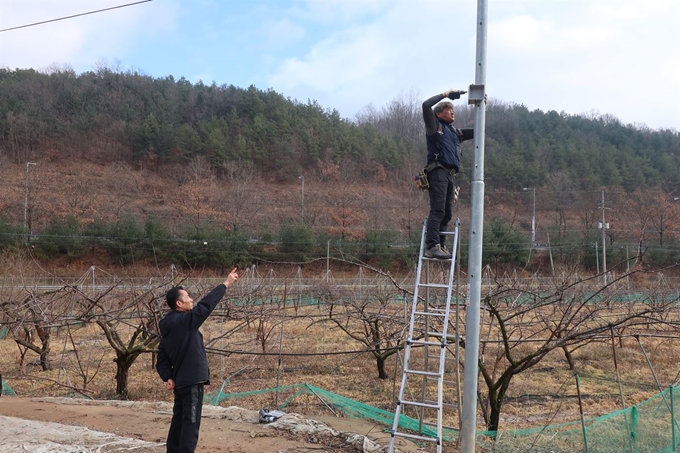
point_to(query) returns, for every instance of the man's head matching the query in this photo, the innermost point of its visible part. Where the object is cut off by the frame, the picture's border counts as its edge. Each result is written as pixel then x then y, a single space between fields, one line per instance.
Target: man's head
pixel 444 111
pixel 178 299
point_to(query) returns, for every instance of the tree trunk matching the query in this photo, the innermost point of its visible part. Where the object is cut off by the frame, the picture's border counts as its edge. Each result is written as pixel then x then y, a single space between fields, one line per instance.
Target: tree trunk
pixel 495 416
pixel 495 403
pixel 380 362
pixel 570 358
pixel 45 363
pixel 123 364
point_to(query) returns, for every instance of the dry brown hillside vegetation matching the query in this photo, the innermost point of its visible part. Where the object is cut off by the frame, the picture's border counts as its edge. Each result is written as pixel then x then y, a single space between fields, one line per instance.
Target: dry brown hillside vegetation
pixel 202 216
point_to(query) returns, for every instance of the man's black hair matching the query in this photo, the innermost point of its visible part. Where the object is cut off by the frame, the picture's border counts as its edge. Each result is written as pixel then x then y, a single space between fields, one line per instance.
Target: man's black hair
pixel 172 295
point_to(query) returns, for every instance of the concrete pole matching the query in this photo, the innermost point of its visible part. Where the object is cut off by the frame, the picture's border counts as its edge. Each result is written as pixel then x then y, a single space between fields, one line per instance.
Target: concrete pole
pixel 476 96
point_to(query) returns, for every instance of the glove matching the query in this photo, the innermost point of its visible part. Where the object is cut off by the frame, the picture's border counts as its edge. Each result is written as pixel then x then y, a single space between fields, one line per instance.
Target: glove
pixel 453 94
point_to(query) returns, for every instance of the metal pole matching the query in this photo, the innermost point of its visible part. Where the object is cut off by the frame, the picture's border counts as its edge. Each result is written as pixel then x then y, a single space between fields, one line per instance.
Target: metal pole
pixel 468 425
pixel 533 216
pixel 533 219
pixel 618 381
pixel 580 409
pixel 26 196
pixel 674 444
pixel 597 262
pixel 604 244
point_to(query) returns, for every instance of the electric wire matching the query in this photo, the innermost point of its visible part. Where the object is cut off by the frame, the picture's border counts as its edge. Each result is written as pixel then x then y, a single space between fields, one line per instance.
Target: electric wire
pixel 74 15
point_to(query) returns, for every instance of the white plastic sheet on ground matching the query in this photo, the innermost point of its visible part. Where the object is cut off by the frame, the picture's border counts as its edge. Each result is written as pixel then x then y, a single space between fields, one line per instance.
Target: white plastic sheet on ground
pixel 20 436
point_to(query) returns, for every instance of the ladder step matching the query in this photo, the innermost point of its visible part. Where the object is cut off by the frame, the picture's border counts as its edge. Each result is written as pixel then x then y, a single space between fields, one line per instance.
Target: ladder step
pixel 428 343
pixel 422 373
pixel 417 437
pixel 430 313
pixel 420 404
pixel 434 285
pixel 437 310
pixel 440 335
pixel 447 233
pixel 425 258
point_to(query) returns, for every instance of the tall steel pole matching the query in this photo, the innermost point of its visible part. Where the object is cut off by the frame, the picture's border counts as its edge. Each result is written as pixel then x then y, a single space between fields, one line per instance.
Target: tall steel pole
pixel 26 196
pixel 533 217
pixel 604 244
pixel 477 97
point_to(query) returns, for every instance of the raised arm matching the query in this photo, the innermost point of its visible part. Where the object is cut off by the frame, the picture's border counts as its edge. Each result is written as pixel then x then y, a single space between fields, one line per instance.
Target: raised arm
pixel 429 116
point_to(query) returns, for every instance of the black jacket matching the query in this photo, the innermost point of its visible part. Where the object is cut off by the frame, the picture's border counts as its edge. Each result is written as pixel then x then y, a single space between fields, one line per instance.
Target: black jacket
pixel 181 353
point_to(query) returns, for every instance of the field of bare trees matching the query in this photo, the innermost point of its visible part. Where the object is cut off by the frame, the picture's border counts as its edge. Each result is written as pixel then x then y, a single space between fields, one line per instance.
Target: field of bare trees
pixel 95 336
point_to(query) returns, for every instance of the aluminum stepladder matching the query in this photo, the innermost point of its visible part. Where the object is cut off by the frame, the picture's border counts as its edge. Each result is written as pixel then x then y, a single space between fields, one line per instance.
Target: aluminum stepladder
pixel 426 348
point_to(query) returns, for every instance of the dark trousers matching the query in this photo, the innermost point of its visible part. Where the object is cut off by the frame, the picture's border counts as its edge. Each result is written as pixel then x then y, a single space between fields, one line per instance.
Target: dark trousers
pixel 441 198
pixel 186 419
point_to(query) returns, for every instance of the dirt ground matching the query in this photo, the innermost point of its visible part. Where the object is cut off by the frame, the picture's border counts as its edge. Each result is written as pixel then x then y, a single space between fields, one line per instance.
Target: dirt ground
pixel 51 425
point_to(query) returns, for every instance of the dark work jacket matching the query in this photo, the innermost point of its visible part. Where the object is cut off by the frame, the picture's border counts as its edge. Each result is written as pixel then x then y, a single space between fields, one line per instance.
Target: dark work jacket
pixel 181 353
pixel 444 145
pixel 443 140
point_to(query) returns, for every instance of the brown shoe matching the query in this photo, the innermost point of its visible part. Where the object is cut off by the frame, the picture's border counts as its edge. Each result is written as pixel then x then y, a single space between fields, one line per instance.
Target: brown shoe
pixel 436 252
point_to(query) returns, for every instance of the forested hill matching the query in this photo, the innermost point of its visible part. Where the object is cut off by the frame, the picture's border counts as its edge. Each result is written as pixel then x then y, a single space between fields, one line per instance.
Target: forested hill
pixel 107 115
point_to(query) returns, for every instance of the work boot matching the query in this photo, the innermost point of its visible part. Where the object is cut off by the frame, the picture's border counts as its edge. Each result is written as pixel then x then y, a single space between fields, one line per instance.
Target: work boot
pixel 445 250
pixel 436 252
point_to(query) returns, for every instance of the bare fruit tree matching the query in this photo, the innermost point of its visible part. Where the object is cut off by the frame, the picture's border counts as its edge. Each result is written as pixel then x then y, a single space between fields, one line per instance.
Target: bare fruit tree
pixel 525 324
pixel 32 315
pixel 373 316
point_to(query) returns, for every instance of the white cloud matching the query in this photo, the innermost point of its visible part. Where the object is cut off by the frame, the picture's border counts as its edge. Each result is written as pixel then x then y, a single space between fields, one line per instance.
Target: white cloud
pixel 281 32
pixel 408 45
pixel 604 56
pixel 611 56
pixel 342 10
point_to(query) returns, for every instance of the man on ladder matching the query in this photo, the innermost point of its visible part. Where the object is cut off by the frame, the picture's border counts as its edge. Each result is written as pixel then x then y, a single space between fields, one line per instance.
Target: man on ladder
pixel 425 369
pixel 443 162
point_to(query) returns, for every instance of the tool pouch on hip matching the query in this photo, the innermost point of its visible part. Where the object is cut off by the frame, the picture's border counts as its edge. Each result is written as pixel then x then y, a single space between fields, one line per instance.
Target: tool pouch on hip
pixel 421 181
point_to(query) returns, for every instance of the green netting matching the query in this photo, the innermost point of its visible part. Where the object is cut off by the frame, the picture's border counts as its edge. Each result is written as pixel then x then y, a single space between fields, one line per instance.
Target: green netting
pixel 6 389
pixel 644 428
pixel 3 332
pixel 649 427
pixel 349 407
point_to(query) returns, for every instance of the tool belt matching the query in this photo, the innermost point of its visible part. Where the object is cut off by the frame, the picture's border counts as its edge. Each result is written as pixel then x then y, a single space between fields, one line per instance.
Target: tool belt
pixel 436 164
pixel 421 178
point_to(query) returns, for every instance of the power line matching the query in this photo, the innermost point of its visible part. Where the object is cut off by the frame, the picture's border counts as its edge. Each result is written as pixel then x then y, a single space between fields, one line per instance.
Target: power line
pixel 75 15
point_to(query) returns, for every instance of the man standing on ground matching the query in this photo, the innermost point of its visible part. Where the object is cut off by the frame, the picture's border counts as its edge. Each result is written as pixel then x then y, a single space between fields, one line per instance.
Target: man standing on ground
pixel 443 162
pixel 182 362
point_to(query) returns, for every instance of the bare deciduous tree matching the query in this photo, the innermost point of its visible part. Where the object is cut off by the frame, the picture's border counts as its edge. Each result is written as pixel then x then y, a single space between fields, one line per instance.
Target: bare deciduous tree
pixel 529 325
pixel 373 318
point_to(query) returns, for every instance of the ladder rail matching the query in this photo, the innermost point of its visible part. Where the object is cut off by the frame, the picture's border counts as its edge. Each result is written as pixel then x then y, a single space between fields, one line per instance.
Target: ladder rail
pixel 407 349
pixel 437 314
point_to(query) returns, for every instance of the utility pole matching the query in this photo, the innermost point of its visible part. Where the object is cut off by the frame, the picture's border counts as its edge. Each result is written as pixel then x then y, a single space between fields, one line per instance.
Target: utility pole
pixel 604 227
pixel 302 200
pixel 26 196
pixel 533 217
pixel 476 96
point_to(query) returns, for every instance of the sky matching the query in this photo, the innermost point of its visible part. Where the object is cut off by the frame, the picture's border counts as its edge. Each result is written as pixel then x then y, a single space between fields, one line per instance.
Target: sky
pixel 592 57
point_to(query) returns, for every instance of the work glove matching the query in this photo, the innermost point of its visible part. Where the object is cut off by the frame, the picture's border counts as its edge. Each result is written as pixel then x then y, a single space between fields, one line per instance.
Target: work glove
pixel 453 94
